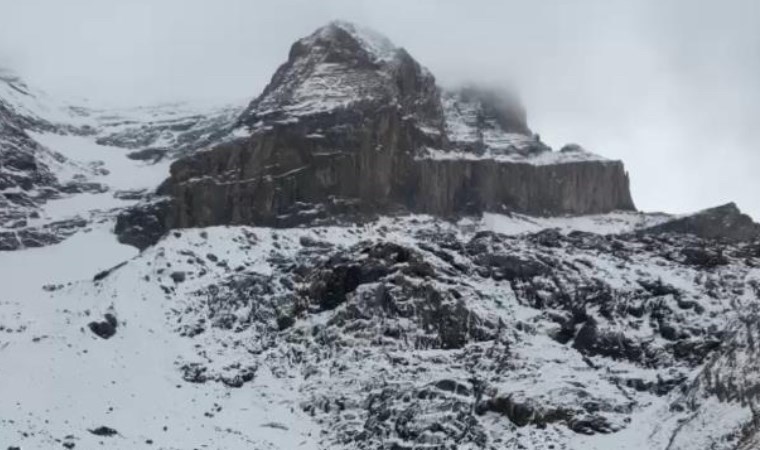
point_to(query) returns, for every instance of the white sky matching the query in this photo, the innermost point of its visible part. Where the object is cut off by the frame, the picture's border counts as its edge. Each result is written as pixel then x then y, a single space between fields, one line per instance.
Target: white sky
pixel 670 87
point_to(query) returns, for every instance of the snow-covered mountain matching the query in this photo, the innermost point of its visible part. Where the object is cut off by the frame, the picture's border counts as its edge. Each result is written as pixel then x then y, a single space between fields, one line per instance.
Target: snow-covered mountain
pixel 373 328
pixel 51 152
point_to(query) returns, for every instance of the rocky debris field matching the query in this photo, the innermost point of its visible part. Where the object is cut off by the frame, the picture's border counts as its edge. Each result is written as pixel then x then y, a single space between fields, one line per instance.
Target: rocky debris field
pixel 408 332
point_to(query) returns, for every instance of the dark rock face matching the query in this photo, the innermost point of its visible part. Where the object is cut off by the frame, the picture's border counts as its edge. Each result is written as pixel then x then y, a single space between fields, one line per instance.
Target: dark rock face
pixel 449 187
pixel 194 373
pixel 148 154
pixel 496 109
pixel 525 412
pixel 142 225
pixel 178 277
pixel 282 174
pixel 704 257
pixel 18 150
pixel 390 283
pixel 100 276
pixel 105 329
pixel 25 180
pixel 199 374
pixel 724 222
pixel 590 340
pixel 510 267
pixel 363 145
pixel 360 74
pixel 104 431
pixel 596 319
pixel 29 237
pixel 20 236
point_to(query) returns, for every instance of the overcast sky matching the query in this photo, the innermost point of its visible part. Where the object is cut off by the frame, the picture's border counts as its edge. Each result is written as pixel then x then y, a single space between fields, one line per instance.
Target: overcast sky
pixel 670 87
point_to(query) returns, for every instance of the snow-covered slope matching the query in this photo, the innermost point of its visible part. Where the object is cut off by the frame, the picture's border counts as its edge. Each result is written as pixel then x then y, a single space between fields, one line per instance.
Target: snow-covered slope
pixel 410 331
pixel 62 167
pixel 30 173
pixel 168 130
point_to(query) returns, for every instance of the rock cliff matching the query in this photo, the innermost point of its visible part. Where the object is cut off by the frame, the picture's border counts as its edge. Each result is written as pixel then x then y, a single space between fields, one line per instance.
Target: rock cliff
pixel 351 123
pixel 725 222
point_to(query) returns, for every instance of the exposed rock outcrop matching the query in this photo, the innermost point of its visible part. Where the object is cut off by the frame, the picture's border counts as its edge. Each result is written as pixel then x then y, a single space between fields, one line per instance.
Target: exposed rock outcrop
pixel 451 186
pixel 30 173
pixel 416 331
pixel 143 224
pixel 166 131
pixel 105 329
pixel 725 222
pixel 352 123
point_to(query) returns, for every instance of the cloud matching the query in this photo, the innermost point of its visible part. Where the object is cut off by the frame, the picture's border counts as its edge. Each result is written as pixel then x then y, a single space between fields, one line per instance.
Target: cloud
pixel 669 87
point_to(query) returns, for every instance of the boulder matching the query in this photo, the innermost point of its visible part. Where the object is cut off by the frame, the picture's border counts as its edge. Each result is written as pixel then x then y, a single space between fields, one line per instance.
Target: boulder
pixel 104 431
pixel 142 225
pixel 104 329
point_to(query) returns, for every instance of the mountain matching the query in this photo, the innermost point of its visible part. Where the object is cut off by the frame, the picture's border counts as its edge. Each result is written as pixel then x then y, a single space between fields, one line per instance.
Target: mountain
pixel 50 150
pixel 30 173
pixel 351 124
pixel 357 259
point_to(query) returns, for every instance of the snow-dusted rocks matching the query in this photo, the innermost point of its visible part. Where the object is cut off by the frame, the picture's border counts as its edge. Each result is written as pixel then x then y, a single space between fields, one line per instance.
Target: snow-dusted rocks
pixel 488 122
pixel 166 131
pixel 50 153
pixel 410 332
pixel 341 67
pixel 32 174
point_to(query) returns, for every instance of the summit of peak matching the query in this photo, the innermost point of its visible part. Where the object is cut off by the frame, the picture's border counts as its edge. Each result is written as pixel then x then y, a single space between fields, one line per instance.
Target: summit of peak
pixel 375 44
pixel 343 66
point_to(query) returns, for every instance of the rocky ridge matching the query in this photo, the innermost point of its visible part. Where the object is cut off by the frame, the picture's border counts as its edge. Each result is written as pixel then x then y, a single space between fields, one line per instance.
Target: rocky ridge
pixel 724 222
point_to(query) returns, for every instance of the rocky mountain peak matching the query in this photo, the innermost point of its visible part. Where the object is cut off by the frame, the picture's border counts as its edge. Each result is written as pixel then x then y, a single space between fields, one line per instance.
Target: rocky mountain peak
pixel 344 39
pixel 342 66
pixel 352 123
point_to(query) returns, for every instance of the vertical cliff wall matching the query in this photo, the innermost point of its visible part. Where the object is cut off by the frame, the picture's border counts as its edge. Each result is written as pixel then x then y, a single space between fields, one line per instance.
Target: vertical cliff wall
pixel 276 178
pixel 448 187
